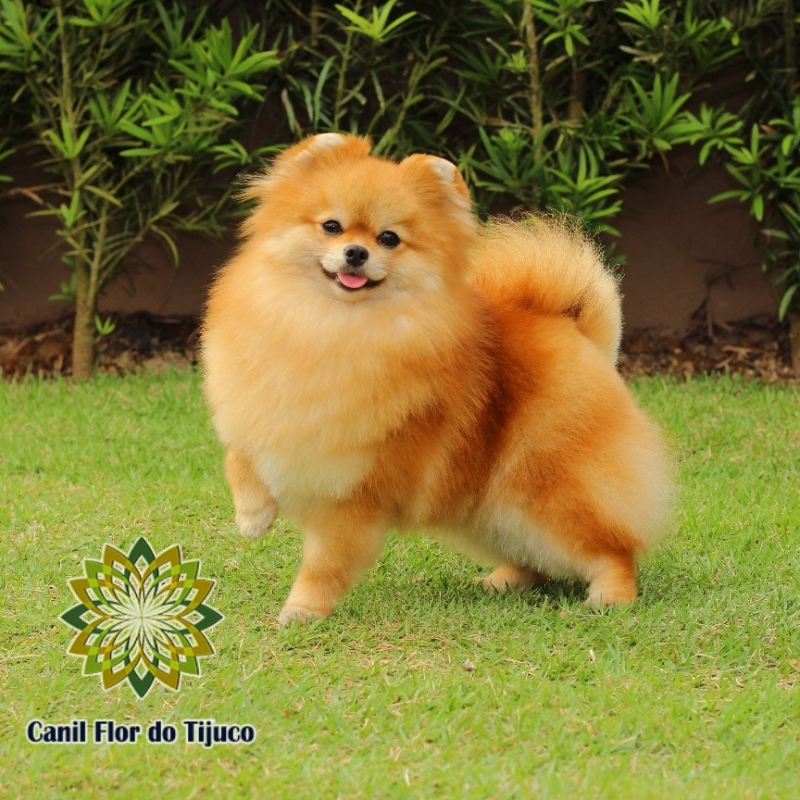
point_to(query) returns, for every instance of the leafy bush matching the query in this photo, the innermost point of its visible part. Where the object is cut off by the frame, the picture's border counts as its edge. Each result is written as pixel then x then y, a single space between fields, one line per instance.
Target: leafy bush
pixel 760 146
pixel 135 105
pixel 543 103
pixel 550 104
pixel 556 103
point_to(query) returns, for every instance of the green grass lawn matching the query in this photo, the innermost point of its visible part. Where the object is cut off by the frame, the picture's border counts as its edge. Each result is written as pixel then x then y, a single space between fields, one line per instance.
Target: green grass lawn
pixel 692 693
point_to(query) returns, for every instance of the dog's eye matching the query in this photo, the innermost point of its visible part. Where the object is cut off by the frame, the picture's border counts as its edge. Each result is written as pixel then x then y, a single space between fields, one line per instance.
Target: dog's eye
pixel 331 226
pixel 388 239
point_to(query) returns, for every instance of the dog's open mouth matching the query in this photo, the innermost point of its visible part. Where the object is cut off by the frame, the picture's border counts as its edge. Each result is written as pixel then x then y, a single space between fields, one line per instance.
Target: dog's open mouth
pixel 350 281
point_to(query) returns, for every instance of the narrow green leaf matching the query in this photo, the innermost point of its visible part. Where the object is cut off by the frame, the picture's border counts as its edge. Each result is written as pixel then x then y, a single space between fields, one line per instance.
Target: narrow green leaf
pixel 758 207
pixel 786 299
pixel 102 193
pixel 135 152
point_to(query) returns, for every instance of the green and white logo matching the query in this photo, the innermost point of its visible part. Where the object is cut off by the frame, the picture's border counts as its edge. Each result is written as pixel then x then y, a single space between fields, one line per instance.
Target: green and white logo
pixel 141 617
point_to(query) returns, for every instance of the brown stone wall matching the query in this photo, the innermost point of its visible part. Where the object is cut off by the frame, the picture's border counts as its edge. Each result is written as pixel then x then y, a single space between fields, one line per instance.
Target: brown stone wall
pixel 682 251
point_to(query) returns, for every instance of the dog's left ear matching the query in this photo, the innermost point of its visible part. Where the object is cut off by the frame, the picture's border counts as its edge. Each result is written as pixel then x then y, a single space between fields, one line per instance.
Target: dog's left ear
pixel 445 172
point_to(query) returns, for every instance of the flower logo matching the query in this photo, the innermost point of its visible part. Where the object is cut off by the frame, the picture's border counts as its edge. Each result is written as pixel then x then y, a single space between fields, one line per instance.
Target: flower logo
pixel 141 617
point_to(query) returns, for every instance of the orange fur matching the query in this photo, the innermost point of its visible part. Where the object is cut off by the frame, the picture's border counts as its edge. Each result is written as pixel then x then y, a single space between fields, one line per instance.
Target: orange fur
pixel 469 389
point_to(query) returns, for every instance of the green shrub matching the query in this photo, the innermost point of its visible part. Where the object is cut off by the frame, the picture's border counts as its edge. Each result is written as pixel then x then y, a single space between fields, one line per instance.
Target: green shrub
pixel 135 105
pixel 555 104
pixel 760 145
pixel 546 104
pixel 543 103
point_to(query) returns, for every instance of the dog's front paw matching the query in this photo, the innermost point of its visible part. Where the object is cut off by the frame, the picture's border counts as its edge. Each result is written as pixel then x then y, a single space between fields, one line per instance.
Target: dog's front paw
pixel 253 524
pixel 291 613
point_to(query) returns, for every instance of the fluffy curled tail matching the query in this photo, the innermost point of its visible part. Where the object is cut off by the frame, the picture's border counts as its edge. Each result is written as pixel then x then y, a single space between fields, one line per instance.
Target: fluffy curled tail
pixel 549 267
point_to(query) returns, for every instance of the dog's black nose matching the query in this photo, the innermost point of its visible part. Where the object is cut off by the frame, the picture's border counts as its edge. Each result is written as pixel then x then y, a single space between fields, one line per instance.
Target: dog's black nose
pixel 355 255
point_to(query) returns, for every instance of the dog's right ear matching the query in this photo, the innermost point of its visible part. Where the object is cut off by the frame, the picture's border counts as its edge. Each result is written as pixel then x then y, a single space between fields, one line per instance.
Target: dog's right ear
pixel 312 151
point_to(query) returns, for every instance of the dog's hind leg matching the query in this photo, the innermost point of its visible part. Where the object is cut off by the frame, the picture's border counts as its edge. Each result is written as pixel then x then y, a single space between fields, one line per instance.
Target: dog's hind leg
pixel 510 576
pixel 612 580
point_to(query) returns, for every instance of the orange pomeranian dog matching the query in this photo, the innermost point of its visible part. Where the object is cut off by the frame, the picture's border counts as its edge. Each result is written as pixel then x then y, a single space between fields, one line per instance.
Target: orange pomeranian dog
pixel 375 359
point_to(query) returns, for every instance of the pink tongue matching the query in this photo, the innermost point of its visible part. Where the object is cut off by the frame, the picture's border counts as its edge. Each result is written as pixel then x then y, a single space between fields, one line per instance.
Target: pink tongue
pixel 351 281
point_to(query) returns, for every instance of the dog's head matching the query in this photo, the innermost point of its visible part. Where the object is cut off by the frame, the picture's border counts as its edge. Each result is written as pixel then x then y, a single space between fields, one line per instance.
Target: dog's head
pixel 360 226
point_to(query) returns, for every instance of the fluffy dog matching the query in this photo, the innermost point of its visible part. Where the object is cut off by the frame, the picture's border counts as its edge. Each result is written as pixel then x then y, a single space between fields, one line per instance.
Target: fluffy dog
pixel 375 359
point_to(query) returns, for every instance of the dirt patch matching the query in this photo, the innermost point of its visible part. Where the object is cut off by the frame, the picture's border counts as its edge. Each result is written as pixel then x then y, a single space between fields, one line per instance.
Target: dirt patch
pixel 138 341
pixel 756 348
